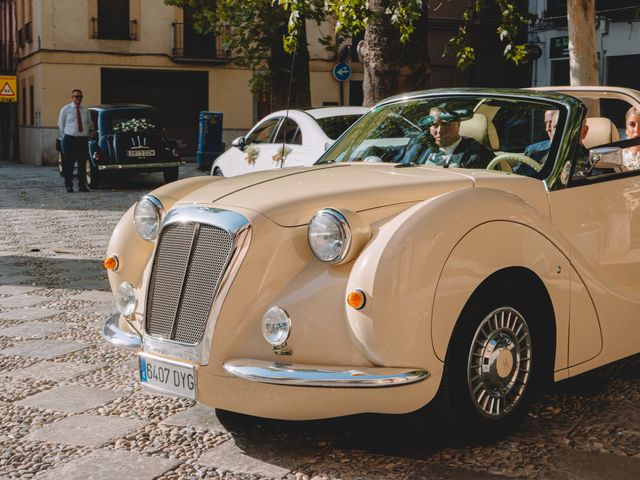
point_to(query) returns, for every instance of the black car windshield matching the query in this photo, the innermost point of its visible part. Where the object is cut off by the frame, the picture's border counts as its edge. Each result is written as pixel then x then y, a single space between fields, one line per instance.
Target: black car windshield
pixel 129 121
pixel 505 133
pixel 333 127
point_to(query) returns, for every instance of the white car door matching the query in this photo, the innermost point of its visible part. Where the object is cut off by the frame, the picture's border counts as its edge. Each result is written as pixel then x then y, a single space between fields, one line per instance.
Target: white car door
pixel 290 141
pixel 257 152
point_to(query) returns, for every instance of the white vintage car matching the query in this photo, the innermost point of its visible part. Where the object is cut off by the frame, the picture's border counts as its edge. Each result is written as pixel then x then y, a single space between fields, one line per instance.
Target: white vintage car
pixel 293 138
pixel 460 245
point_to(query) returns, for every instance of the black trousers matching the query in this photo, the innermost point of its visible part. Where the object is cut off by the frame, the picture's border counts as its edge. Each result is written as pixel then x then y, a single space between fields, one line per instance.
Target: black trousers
pixel 74 149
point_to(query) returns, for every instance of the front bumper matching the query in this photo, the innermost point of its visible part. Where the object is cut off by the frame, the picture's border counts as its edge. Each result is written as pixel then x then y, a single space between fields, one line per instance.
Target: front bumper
pixel 117 337
pixel 134 166
pixel 322 375
pixel 281 373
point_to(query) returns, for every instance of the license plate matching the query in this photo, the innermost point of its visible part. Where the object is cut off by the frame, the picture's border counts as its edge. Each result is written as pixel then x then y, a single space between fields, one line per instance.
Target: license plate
pixel 167 376
pixel 141 153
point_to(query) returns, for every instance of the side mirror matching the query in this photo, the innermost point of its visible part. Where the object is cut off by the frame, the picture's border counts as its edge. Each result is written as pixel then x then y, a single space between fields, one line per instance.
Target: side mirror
pixel 606 157
pixel 239 142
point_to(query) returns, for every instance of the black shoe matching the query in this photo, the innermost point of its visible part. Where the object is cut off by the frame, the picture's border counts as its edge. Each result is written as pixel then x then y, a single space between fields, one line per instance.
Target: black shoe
pixel 84 188
pixel 70 189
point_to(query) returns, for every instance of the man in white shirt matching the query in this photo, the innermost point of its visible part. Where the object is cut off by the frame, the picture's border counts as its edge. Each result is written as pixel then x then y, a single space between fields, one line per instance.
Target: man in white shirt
pixel 75 126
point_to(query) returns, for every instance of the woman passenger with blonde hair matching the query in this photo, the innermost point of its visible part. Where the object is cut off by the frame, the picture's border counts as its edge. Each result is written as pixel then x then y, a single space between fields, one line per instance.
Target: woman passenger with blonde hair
pixel 631 155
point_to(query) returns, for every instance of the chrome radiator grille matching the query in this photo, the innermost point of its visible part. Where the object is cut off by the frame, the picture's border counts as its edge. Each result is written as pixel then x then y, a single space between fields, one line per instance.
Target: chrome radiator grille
pixel 189 263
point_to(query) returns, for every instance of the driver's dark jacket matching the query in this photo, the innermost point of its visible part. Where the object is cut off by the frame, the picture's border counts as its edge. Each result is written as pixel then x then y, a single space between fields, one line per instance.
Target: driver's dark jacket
pixel 468 154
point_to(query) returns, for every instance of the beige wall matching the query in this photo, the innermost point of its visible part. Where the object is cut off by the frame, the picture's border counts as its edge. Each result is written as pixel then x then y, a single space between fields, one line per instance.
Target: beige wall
pixel 63 56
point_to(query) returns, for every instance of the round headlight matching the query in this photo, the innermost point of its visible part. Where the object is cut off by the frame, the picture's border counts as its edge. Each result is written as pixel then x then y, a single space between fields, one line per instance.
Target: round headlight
pixel 329 235
pixel 147 216
pixel 276 326
pixel 126 300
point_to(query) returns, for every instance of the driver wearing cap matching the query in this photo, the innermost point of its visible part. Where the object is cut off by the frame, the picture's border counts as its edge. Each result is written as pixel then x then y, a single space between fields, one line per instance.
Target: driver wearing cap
pixel 443 145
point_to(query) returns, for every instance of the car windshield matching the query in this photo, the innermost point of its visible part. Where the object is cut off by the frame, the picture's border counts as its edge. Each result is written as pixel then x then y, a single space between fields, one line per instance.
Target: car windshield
pixel 130 121
pixel 333 127
pixel 455 131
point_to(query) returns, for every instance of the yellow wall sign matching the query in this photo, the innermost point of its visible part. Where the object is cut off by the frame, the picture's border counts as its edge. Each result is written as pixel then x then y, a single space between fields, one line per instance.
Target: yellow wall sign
pixel 8 89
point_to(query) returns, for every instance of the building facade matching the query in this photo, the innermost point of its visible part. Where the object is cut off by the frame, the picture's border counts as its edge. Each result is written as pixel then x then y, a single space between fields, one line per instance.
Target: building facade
pixel 8 63
pixel 617 42
pixel 139 51
pixel 143 51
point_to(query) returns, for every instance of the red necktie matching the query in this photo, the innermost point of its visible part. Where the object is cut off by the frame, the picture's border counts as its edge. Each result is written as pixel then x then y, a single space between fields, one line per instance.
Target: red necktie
pixel 79 118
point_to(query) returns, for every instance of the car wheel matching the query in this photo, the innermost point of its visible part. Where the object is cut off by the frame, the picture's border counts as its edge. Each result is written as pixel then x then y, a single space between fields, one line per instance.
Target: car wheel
pixel 93 177
pixel 170 174
pixel 491 370
pixel 60 163
pixel 217 172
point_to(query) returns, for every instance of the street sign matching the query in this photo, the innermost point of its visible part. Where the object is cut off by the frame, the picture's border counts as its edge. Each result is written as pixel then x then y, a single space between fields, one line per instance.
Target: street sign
pixel 559 47
pixel 341 72
pixel 8 89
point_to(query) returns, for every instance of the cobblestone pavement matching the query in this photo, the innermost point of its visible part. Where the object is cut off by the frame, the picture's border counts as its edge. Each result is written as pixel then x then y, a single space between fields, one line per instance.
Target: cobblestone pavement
pixel 70 406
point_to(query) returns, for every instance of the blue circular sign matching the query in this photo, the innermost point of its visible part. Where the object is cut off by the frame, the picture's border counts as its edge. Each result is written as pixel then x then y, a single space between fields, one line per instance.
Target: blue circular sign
pixel 341 72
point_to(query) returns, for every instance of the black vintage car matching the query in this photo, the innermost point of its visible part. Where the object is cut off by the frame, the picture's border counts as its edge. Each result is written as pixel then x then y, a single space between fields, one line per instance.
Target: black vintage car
pixel 128 137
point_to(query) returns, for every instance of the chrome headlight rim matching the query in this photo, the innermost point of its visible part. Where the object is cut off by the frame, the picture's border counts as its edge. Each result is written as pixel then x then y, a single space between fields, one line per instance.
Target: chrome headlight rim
pixel 159 211
pixel 287 320
pixel 345 229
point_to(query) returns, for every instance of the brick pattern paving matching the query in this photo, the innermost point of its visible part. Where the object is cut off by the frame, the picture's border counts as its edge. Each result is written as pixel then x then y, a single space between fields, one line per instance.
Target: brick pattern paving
pixel 71 407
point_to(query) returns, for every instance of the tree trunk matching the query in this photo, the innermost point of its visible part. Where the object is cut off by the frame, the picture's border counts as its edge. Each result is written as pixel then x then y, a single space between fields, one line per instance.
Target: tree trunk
pixel 583 61
pixel 391 67
pixel 281 75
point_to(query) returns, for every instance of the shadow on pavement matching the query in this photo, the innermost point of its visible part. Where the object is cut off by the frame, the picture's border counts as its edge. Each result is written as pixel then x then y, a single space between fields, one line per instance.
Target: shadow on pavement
pixel 420 434
pixel 47 272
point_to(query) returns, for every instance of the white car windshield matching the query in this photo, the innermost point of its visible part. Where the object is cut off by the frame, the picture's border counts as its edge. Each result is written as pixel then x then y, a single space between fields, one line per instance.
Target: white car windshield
pixel 460 131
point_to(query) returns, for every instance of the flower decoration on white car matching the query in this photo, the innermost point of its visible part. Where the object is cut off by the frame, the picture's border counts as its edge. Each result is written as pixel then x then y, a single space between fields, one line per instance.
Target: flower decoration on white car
pixel 251 154
pixel 281 155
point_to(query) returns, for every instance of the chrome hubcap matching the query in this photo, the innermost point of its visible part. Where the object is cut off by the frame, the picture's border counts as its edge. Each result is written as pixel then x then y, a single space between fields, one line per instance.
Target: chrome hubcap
pixel 499 362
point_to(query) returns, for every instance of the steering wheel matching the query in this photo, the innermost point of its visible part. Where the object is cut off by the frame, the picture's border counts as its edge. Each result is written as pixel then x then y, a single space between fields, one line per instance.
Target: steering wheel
pixel 503 160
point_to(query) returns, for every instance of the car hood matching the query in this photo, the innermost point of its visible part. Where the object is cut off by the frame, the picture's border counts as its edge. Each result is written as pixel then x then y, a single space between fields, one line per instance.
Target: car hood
pixel 290 196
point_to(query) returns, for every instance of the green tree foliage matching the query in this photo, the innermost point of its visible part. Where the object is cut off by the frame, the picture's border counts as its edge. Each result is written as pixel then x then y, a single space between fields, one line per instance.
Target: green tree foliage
pixel 354 16
pixel 512 23
pixel 254 31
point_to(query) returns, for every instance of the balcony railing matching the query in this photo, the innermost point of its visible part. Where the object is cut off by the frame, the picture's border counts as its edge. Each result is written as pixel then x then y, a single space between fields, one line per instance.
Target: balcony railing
pixel 114 28
pixel 190 45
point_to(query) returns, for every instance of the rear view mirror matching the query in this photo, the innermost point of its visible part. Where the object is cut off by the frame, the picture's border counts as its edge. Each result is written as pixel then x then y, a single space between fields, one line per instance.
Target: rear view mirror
pixel 239 142
pixel 606 157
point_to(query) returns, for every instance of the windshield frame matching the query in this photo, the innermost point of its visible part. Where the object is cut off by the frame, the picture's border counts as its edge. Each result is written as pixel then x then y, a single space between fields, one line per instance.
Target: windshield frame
pixel 572 111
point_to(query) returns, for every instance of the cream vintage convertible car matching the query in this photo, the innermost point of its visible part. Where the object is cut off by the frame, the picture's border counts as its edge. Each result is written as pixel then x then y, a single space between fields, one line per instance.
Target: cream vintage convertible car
pixel 400 269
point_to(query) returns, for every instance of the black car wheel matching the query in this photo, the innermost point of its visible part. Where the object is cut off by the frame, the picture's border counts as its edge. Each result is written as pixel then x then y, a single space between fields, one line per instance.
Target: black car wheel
pixel 217 172
pixel 171 174
pixel 93 177
pixel 493 364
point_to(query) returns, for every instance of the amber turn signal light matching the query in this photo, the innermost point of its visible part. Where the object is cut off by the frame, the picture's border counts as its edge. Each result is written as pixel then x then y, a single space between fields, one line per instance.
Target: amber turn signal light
pixel 111 263
pixel 356 299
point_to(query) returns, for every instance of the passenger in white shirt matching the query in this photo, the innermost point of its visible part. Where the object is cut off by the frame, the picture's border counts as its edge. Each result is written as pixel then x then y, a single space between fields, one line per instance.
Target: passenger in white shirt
pixel 75 126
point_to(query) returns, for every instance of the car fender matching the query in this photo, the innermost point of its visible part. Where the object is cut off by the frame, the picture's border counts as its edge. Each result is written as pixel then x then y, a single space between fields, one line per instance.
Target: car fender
pixel 493 247
pixel 408 317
